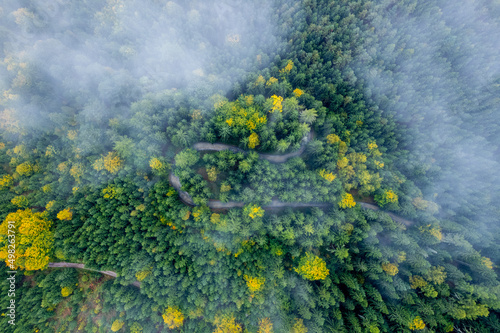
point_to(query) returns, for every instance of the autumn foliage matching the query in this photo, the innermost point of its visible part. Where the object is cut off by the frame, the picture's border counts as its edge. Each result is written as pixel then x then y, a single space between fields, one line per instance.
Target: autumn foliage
pixel 34 239
pixel 312 267
pixel 173 317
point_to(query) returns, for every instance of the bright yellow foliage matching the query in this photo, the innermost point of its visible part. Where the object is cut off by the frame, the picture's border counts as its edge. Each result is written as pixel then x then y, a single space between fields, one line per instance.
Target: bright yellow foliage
pixel 112 162
pixel 379 164
pixel 20 201
pixel 372 145
pixel 265 326
pixel 271 81
pixel 65 214
pixel 6 181
pixel 297 92
pixel 332 139
pixel 24 169
pixel 327 175
pixel 276 100
pixel 391 196
pixel 299 326
pixel 433 230
pixel 50 204
pixel 240 115
pixel 253 140
pixel 117 325
pixel 66 291
pixel 226 324
pixel 391 269
pixel 255 211
pixel 287 68
pixel 417 324
pixel 312 267
pixel 141 275
pixel 173 317
pixel 109 192
pixel 157 165
pixel 254 283
pixel 2 145
pixel 342 162
pixel 34 239
pixel 347 201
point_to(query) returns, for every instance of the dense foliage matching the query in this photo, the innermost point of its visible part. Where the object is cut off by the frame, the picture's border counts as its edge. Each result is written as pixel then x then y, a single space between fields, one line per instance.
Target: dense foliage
pixel 258 166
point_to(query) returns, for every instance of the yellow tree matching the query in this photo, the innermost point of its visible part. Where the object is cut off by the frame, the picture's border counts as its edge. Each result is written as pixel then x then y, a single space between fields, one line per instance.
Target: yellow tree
pixel 276 103
pixel 417 324
pixel 254 211
pixel 24 169
pixel 34 240
pixel 65 214
pixel 254 284
pixel 265 326
pixel 6 181
pixel 173 317
pixel 299 326
pixel 66 291
pixel 158 165
pixel 117 325
pixel 253 141
pixel 226 324
pixel 347 201
pixel 312 267
pixel 112 162
pixel 391 269
pixel 297 92
pixel 286 70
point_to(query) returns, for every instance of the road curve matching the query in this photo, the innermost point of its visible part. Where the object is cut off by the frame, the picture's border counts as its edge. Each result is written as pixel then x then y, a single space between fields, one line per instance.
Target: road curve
pixel 206 146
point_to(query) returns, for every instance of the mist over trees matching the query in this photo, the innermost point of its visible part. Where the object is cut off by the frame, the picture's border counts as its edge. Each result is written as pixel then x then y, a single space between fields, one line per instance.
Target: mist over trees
pixel 253 166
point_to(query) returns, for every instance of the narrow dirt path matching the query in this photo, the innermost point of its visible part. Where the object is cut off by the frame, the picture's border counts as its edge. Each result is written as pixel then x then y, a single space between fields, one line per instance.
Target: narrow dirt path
pixel 82 266
pixel 275 158
pixel 217 204
pixel 205 146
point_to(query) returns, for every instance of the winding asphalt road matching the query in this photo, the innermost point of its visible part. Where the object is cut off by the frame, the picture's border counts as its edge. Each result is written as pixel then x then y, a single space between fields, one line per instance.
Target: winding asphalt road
pixel 186 198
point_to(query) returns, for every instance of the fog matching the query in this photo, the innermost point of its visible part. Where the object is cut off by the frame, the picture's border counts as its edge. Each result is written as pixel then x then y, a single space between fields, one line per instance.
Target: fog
pixel 438 73
pixel 112 53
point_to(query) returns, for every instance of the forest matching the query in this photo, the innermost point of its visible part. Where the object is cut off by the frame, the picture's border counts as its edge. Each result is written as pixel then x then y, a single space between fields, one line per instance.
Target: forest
pixel 228 166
